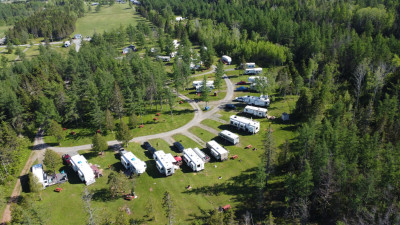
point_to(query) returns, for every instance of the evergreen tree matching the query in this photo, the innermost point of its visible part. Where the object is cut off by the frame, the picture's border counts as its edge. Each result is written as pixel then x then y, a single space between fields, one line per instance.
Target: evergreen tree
pixel 51 159
pixel 124 134
pixel 56 131
pixel 205 91
pixel 109 119
pixel 117 101
pixel 99 143
pixel 133 120
pixel 219 73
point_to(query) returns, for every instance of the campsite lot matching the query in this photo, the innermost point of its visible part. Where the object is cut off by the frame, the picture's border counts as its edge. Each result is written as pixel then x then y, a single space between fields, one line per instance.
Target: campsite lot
pixel 237 186
pixel 182 114
pixel 109 18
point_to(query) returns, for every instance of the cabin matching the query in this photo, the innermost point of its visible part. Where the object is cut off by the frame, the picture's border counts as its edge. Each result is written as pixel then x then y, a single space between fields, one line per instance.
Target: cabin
pixel 132 163
pixel 81 166
pixel 217 151
pixel 229 136
pixel 255 111
pixel 243 123
pixel 192 160
pixel 164 163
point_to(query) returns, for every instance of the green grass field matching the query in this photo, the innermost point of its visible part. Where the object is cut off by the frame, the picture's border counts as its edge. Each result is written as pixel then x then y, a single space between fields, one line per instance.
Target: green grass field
pixel 183 113
pixel 109 18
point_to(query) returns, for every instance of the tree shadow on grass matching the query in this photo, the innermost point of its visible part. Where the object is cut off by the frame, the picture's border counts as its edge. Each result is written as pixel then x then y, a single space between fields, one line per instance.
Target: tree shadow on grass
pixel 90 155
pixel 102 195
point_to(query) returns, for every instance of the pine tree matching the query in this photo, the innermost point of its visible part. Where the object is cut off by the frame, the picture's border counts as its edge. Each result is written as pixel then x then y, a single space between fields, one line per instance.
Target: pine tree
pixel 205 91
pixel 117 101
pixel 133 120
pixel 110 125
pixel 124 134
pixel 56 131
pixel 219 73
pixel 168 206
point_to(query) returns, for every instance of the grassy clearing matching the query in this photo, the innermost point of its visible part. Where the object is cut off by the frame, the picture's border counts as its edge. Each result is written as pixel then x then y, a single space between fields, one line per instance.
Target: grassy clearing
pixel 186 141
pixel 183 113
pixel 204 135
pixel 109 18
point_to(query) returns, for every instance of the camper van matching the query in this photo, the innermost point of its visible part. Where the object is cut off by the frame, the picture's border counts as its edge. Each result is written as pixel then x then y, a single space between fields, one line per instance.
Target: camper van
pixel 164 163
pixel 249 71
pixel 202 155
pixel 217 151
pixel 81 166
pixel 192 160
pixel 226 59
pixel 255 111
pixel 229 136
pixel 263 100
pixel 245 124
pixel 132 163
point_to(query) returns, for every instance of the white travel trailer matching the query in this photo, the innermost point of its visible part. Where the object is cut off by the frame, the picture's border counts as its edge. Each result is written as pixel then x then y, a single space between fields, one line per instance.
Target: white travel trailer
pixel 226 59
pixel 176 43
pixel 245 124
pixel 197 83
pixel 249 71
pixel 67 44
pixel 164 163
pixel 82 167
pixel 202 155
pixel 164 58
pixel 132 163
pixel 37 171
pixel 263 100
pixel 229 136
pixel 255 111
pixel 217 150
pixel 250 65
pixel 193 160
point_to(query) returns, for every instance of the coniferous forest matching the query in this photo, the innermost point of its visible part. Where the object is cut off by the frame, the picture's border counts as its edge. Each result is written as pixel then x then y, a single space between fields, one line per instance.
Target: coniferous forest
pixel 340 57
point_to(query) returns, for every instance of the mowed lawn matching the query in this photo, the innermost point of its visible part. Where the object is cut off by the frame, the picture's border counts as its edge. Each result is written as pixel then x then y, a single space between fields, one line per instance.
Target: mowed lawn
pixel 109 18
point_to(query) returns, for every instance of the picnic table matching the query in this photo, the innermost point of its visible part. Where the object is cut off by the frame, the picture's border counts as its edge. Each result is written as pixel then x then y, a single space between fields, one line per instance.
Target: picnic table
pixel 58 189
pixel 234 157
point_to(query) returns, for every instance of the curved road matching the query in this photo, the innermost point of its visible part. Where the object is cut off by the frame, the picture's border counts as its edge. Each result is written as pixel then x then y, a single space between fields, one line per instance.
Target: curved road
pixel 199 116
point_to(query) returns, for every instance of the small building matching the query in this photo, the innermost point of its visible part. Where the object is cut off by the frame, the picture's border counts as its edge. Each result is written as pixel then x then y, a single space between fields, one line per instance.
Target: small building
pixel 229 136
pixel 285 116
pixel 81 166
pixel 226 59
pixel 243 123
pixel 217 151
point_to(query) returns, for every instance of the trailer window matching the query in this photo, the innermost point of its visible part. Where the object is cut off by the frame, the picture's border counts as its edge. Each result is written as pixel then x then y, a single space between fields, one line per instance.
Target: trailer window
pixel 198 165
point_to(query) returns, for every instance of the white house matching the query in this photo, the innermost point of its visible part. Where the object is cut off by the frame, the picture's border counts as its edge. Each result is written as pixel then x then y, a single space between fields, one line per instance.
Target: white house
pixel 226 59
pixel 255 111
pixel 82 167
pixel 217 150
pixel 193 160
pixel 229 136
pixel 245 124
pixel 132 163
pixel 263 100
pixel 164 163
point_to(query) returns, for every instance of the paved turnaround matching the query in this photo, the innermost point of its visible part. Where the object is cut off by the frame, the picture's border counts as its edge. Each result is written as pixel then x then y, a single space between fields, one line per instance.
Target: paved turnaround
pixel 198 117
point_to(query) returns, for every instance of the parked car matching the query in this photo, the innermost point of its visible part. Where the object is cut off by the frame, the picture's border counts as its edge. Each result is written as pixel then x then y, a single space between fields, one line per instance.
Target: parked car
pixel 241 88
pixel 66 159
pixel 179 146
pixel 146 145
pixel 241 83
pixel 230 106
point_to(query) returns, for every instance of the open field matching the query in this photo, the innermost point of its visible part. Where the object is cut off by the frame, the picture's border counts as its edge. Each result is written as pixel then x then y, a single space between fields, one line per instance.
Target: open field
pixel 183 113
pixel 109 18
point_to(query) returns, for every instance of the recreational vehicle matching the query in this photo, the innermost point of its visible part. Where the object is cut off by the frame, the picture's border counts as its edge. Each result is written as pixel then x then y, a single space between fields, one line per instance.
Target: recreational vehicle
pixel 202 155
pixel 263 100
pixel 164 58
pixel 255 111
pixel 249 71
pixel 193 160
pixel 67 44
pixel 217 150
pixel 226 59
pixel 82 167
pixel 198 83
pixel 164 163
pixel 176 43
pixel 229 136
pixel 132 163
pixel 250 65
pixel 245 124
pixel 47 180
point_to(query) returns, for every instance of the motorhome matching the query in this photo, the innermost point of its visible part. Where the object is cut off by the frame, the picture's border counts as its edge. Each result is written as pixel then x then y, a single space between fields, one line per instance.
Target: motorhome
pixel 249 71
pixel 202 155
pixel 255 111
pixel 250 65
pixel 198 83
pixel 226 59
pixel 245 124
pixel 263 100
pixel 132 163
pixel 164 58
pixel 164 163
pixel 229 136
pixel 81 166
pixel 193 160
pixel 217 151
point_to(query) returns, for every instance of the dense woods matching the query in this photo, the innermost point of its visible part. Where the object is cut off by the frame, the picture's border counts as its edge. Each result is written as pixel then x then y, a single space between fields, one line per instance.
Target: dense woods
pixel 53 22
